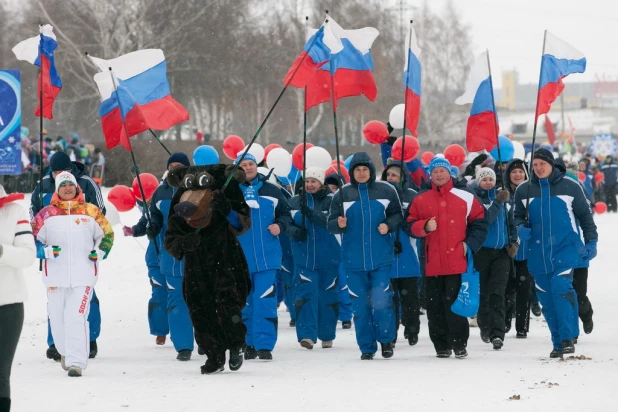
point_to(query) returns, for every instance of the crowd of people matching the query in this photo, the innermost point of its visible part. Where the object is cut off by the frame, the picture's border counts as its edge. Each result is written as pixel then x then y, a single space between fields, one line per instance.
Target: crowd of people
pixel 381 250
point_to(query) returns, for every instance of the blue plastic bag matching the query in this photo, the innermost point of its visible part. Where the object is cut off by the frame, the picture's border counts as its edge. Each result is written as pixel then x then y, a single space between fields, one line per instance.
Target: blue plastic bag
pixel 467 303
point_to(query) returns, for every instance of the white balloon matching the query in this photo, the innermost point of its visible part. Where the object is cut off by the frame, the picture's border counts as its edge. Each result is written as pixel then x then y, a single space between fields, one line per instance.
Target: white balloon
pixel 265 171
pixel 395 118
pixel 280 160
pixel 318 157
pixel 520 152
pixel 256 150
pixel 111 214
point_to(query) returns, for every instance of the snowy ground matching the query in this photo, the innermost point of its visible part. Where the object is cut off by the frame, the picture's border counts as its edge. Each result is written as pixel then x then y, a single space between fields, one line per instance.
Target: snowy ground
pixel 132 374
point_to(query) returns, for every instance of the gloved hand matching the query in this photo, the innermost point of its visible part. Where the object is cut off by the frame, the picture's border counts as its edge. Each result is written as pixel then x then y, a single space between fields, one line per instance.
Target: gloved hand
pixel 222 203
pixel 512 248
pixel 48 252
pixel 397 247
pixel 128 231
pixel 300 235
pixel 503 196
pixel 93 256
pixel 306 210
pixel 152 231
pixel 391 140
pixel 590 250
pixel 523 232
pixel 477 161
pixel 189 243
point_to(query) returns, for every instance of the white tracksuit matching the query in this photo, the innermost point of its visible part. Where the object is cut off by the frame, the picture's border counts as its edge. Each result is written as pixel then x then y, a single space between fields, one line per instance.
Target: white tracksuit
pixel 77 228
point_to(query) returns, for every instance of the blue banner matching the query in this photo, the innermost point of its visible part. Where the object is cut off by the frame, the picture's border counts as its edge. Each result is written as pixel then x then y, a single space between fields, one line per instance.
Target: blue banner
pixel 10 122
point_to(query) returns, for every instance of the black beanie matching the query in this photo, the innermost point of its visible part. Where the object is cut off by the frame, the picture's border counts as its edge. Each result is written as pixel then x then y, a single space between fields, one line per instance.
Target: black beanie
pixel 60 161
pixel 178 157
pixel 545 155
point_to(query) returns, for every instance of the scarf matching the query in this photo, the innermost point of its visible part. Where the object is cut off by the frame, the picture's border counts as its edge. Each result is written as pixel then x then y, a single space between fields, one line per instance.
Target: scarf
pixel 250 192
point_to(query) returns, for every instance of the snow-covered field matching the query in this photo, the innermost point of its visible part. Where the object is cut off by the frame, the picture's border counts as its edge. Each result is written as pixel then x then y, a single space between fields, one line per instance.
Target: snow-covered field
pixel 132 374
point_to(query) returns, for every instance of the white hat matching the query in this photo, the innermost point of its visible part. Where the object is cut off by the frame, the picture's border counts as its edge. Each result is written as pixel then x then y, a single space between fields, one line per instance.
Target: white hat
pixel 315 173
pixel 483 172
pixel 64 177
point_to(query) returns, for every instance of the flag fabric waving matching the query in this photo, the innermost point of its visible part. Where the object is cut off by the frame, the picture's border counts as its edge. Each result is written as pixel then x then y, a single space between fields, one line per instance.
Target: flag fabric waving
pixel 549 129
pixel 482 130
pixel 351 68
pixel 39 50
pixel 559 60
pixel 412 83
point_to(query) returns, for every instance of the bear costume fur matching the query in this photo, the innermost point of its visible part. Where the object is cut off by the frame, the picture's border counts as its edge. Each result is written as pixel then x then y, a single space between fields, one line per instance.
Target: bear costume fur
pixel 216 278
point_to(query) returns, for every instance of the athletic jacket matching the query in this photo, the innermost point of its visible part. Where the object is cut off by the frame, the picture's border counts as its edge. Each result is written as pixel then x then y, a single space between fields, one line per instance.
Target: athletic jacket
pixel 522 252
pixel 321 249
pixel 460 217
pixel 610 171
pixel 366 206
pixel 152 257
pixel 287 256
pixel 263 250
pixel 556 204
pixel 499 234
pixel 18 250
pixel 77 228
pixel 405 264
pixel 88 187
pixel 159 212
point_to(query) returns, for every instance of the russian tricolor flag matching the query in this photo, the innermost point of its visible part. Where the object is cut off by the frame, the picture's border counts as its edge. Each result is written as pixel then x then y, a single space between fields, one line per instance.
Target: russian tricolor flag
pixel 482 131
pixel 317 51
pixel 351 68
pixel 559 60
pixel 412 83
pixel 39 50
pixel 143 99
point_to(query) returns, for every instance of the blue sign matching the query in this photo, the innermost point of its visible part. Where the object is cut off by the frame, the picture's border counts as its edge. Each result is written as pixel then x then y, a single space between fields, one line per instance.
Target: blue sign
pixel 10 122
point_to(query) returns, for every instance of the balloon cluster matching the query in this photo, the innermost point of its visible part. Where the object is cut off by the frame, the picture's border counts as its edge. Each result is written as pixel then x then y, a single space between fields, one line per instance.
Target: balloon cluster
pixel 123 198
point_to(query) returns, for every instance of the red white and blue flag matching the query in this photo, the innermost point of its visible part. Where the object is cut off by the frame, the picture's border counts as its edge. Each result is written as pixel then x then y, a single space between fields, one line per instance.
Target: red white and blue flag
pixel 559 60
pixel 39 50
pixel 412 83
pixel 137 97
pixel 482 130
pixel 351 68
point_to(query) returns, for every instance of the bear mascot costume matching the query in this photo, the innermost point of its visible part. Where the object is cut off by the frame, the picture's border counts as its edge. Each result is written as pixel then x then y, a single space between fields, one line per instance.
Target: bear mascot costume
pixel 216 279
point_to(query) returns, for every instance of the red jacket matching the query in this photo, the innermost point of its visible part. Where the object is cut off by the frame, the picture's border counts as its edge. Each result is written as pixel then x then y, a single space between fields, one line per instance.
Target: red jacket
pixel 460 217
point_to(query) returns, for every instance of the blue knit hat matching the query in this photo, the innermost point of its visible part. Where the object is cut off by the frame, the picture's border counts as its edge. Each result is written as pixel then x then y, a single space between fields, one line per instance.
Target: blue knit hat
pixel 454 171
pixel 178 157
pixel 439 162
pixel 248 156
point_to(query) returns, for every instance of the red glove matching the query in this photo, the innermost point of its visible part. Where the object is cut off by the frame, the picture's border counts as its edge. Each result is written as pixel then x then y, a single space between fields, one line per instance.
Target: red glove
pixel 128 231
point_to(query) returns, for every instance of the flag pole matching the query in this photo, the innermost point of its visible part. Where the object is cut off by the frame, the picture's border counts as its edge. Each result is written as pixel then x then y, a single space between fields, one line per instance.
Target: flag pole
pixel 259 129
pixel 536 119
pixel 151 131
pixel 41 125
pixel 145 210
pixel 303 199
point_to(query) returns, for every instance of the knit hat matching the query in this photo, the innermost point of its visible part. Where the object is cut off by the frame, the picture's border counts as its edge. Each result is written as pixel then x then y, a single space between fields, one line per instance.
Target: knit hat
pixel 544 155
pixel 178 157
pixel 248 156
pixel 483 172
pixel 60 161
pixel 572 169
pixel 315 173
pixel 64 177
pixel 439 162
pixel 454 171
pixel 517 164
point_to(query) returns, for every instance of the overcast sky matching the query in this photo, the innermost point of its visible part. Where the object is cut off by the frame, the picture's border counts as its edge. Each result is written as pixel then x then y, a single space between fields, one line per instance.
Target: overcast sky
pixel 512 30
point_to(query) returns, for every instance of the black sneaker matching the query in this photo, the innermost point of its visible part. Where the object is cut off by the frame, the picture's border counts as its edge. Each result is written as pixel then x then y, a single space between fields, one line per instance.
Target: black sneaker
pixel 497 343
pixel 461 353
pixel 94 349
pixel 485 336
pixel 250 353
pixel 52 353
pixel 567 346
pixel 292 323
pixel 412 340
pixel 387 350
pixel 235 361
pixel 264 354
pixel 346 324
pixel 367 356
pixel 211 367
pixel 184 355
pixel 522 334
pixel 556 353
pixel 588 326
pixel 444 353
pixel 536 309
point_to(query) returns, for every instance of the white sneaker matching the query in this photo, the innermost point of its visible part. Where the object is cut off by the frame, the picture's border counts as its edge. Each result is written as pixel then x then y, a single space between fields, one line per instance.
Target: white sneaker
pixel 327 344
pixel 63 364
pixel 307 343
pixel 75 371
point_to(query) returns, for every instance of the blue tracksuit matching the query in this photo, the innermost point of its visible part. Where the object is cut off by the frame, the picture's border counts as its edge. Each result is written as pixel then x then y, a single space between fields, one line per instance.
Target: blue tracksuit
pixel 499 234
pixel 264 256
pixel 557 203
pixel 285 276
pixel 317 262
pixel 172 270
pixel 367 255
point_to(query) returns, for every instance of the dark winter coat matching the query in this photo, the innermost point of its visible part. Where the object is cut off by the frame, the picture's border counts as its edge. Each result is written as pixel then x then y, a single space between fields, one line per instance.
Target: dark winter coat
pixel 159 215
pixel 610 171
pixel 522 252
pixel 499 234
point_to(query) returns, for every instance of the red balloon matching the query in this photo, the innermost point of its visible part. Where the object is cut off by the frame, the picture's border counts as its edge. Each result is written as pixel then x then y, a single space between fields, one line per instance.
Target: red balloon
pixel 375 132
pixel 122 198
pixel 600 207
pixel 599 177
pixel 268 148
pixel 426 157
pixel 581 176
pixel 411 148
pixel 232 145
pixel 341 163
pixel 149 184
pixel 455 154
pixel 297 155
pixel 344 172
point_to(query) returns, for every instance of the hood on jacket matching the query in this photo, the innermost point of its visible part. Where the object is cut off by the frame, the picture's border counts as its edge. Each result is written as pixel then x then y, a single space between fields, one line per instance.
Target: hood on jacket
pixel 362 159
pixel 332 179
pixel 406 180
pixel 507 173
pixel 5 199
